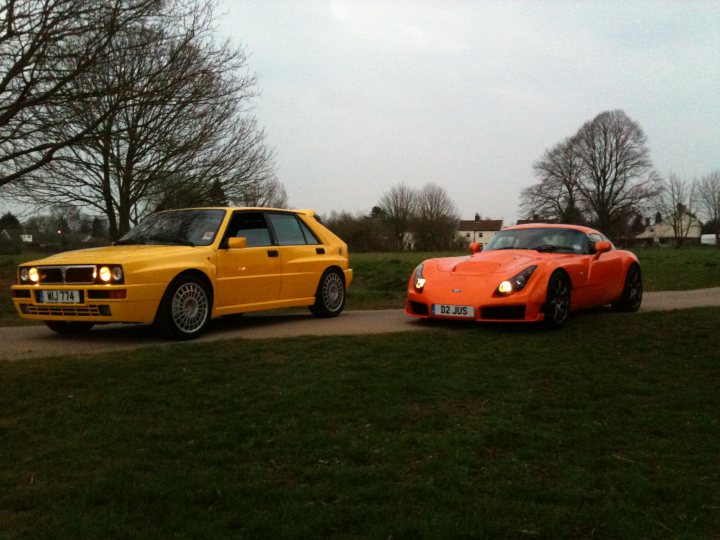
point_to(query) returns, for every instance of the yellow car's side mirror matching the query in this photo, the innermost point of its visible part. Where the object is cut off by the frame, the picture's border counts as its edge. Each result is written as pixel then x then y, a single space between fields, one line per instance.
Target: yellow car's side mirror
pixel 238 242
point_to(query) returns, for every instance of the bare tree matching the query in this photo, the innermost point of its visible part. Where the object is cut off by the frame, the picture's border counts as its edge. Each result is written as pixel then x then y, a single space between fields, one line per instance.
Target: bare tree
pixel 398 206
pixel 268 192
pixel 709 199
pixel 437 218
pixel 557 196
pixel 169 121
pixel 677 199
pixel 617 177
pixel 45 45
pixel 361 232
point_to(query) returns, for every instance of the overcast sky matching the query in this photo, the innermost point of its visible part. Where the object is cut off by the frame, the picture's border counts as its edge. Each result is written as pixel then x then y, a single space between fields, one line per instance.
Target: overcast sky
pixel 357 96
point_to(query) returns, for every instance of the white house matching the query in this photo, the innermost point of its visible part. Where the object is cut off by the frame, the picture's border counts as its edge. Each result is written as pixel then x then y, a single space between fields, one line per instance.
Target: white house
pixel 661 233
pixel 478 230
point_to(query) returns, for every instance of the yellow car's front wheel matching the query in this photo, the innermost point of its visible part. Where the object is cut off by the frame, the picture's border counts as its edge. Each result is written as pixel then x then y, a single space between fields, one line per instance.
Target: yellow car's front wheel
pixel 185 308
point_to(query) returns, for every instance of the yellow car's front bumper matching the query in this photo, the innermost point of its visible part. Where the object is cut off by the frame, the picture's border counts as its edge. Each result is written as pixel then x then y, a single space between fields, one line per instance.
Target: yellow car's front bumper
pixel 98 303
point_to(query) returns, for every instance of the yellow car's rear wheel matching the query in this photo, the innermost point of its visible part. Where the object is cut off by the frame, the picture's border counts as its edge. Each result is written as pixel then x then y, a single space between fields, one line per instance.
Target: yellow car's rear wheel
pixel 330 295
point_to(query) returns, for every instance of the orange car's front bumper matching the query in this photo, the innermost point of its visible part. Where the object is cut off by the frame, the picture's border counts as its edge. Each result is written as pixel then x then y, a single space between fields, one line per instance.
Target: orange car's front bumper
pixel 524 306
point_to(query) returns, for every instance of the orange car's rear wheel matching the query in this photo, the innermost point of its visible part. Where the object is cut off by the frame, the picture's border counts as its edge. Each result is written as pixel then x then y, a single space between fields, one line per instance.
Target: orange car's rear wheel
pixel 631 297
pixel 557 304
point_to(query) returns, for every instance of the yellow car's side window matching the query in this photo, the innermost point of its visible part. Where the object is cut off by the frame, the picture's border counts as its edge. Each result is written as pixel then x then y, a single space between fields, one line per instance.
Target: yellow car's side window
pixel 250 225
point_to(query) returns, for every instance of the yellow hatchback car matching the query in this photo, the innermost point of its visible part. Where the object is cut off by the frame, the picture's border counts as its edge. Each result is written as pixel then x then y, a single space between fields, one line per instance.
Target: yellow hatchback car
pixel 179 268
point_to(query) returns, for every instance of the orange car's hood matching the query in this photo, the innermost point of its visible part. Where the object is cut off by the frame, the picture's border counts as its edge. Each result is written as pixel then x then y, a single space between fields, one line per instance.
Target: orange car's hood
pixel 114 255
pixel 490 262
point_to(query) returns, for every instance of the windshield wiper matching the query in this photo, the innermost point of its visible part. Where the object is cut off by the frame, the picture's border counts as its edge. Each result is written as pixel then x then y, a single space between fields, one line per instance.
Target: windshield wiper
pixel 130 242
pixel 545 248
pixel 175 241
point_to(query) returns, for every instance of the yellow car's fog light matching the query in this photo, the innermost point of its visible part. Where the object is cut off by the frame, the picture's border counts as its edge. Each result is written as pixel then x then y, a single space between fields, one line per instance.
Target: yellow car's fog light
pixel 105 274
pixel 34 275
pixel 505 287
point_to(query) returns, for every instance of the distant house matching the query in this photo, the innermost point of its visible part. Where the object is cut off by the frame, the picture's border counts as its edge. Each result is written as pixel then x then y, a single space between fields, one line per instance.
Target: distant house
pixel 662 234
pixel 478 230
pixel 12 240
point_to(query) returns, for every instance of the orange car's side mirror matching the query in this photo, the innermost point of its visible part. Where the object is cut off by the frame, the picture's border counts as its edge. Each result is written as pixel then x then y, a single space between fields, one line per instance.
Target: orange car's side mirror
pixel 475 247
pixel 238 242
pixel 602 247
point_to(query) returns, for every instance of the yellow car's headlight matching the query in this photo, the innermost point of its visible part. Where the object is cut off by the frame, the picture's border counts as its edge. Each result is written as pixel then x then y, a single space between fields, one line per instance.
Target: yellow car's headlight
pixel 104 274
pixel 34 275
pixel 109 274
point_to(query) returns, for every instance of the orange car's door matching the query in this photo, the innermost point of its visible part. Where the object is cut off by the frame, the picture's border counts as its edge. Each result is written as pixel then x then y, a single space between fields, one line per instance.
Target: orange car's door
pixel 302 256
pixel 249 275
pixel 604 274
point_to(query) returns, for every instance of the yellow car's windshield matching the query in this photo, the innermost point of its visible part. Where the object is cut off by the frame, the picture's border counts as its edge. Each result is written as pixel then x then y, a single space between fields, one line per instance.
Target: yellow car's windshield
pixel 177 227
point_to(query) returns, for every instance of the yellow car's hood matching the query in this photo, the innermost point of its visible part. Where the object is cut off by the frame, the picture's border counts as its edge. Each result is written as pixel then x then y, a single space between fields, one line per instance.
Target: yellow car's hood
pixel 116 255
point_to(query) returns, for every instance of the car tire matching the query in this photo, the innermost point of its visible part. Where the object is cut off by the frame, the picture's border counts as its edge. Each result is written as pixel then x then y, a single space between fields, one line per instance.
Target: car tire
pixel 330 295
pixel 631 297
pixel 557 303
pixel 67 327
pixel 185 309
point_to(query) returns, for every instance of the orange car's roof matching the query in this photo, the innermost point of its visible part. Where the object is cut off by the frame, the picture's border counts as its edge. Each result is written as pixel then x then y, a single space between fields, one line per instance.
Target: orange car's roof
pixel 581 228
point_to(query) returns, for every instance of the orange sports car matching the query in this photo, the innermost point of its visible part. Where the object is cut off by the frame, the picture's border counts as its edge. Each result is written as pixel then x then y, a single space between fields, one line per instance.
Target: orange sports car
pixel 535 272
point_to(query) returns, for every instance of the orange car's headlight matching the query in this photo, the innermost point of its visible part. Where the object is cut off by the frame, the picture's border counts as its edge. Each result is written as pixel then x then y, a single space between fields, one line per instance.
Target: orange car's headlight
pixel 515 283
pixel 418 279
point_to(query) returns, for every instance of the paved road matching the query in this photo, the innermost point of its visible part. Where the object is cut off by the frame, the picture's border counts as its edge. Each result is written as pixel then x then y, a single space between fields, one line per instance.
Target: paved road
pixel 20 342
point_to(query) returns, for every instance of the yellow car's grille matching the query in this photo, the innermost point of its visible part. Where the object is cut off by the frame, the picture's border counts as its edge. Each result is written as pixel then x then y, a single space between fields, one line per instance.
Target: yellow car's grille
pixel 83 274
pixel 67 311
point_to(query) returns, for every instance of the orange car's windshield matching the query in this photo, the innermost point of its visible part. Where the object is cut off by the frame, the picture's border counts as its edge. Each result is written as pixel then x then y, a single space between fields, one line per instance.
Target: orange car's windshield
pixel 178 227
pixel 540 239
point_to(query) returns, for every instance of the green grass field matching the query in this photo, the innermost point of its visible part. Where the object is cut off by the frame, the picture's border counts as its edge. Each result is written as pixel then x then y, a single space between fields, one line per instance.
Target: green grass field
pixel 607 429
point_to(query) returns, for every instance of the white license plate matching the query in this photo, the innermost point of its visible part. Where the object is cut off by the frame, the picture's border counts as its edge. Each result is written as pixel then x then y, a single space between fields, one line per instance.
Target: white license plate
pixel 449 310
pixel 59 297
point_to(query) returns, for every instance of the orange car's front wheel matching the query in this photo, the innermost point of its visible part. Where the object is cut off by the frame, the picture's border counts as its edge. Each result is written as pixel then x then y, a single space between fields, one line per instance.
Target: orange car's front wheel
pixel 557 304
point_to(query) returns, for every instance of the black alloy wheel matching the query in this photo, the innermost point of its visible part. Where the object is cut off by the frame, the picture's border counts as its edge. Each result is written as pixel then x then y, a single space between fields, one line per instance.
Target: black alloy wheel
pixel 557 304
pixel 632 294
